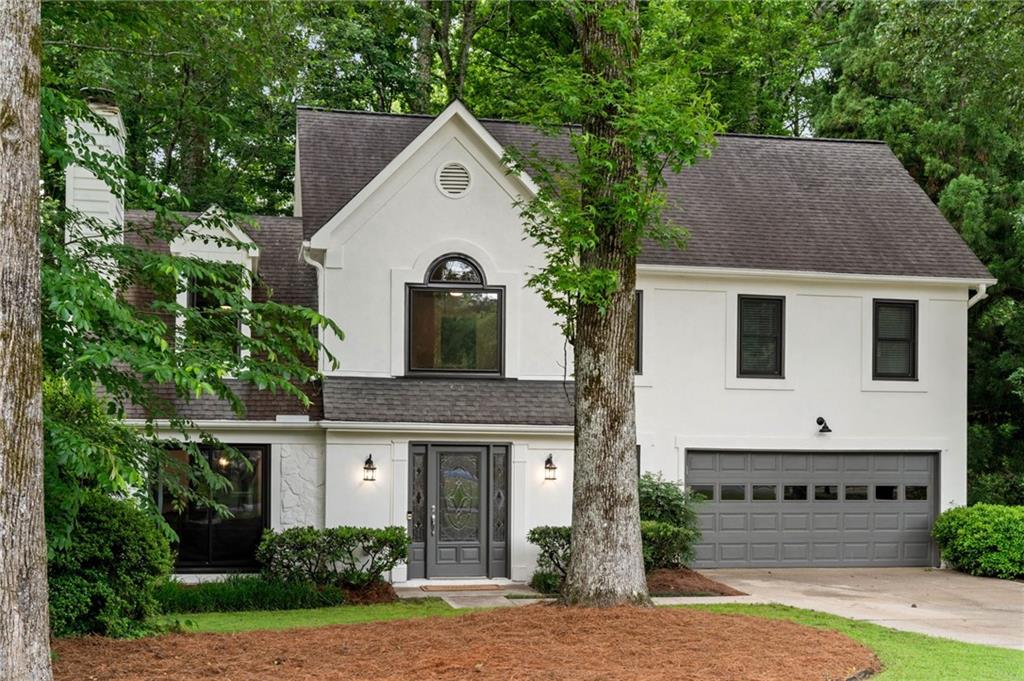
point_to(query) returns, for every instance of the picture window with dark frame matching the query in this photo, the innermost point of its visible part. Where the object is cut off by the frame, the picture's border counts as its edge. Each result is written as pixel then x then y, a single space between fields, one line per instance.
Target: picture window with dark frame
pixel 895 340
pixel 761 340
pixel 455 322
pixel 207 540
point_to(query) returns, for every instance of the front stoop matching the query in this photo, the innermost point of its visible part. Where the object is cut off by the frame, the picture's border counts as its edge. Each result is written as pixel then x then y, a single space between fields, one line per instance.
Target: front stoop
pixel 460 598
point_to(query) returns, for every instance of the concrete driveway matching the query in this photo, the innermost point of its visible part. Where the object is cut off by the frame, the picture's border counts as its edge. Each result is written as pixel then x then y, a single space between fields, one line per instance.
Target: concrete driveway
pixel 929 601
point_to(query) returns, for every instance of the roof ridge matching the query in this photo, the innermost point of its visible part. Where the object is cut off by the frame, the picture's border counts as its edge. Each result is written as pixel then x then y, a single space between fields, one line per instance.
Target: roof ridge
pixel 506 121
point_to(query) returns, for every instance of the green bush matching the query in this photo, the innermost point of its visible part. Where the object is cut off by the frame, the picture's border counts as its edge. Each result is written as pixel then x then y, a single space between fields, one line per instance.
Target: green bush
pixel 353 557
pixel 546 582
pixel 245 592
pixel 553 542
pixel 985 539
pixel 666 545
pixel 104 581
pixel 664 501
pixel 995 488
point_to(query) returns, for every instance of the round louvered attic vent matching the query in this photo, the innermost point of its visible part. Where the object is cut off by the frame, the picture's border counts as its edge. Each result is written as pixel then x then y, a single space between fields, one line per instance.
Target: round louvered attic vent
pixel 453 180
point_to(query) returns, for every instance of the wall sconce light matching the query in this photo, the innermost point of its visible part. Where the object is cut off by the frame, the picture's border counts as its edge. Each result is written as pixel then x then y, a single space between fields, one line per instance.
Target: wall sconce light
pixel 369 469
pixel 824 425
pixel 550 469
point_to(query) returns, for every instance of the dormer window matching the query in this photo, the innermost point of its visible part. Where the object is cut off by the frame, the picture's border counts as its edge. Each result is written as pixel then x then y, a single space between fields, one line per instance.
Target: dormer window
pixel 218 321
pixel 455 321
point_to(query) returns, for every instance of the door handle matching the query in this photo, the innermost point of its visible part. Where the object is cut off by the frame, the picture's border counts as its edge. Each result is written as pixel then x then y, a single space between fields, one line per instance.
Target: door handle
pixel 433 518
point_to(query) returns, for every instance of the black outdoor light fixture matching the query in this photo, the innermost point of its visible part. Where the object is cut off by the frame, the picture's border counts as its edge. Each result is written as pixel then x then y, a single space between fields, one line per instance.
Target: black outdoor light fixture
pixel 369 469
pixel 550 469
pixel 824 425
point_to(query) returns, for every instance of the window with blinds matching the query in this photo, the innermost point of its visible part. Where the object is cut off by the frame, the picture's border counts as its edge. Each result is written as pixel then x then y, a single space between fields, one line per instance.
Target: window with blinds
pixel 895 340
pixel 760 344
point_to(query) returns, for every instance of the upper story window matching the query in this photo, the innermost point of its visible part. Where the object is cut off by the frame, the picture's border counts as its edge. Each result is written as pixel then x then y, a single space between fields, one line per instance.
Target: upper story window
pixel 895 340
pixel 217 322
pixel 638 335
pixel 455 321
pixel 760 346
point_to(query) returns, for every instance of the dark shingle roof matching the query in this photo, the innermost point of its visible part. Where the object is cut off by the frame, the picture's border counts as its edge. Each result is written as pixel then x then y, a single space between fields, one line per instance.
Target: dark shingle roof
pixel 283 278
pixel 771 203
pixel 435 400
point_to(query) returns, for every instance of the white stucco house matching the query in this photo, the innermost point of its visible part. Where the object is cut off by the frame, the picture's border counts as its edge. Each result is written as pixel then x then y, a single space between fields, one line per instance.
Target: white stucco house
pixel 803 363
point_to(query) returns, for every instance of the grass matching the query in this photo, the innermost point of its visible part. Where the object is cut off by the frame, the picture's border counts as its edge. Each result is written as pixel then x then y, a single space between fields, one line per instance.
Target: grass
pixel 230 622
pixel 906 656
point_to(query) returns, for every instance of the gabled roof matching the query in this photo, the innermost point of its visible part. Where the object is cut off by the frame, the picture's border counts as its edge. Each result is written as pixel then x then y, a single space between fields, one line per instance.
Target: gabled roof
pixel 758 202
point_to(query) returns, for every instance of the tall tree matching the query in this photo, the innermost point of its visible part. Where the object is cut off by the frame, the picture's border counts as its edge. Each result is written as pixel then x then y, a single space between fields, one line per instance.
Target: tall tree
pixel 24 627
pixel 638 112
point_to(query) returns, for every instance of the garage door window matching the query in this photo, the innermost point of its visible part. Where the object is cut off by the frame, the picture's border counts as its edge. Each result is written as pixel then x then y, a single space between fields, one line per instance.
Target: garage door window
pixel 764 493
pixel 705 491
pixel 915 493
pixel 759 347
pixel 734 493
pixel 895 337
pixel 826 492
pixel 795 493
pixel 856 493
pixel 887 492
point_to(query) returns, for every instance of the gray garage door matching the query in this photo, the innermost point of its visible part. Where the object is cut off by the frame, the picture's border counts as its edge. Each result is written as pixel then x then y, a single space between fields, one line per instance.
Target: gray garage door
pixel 822 509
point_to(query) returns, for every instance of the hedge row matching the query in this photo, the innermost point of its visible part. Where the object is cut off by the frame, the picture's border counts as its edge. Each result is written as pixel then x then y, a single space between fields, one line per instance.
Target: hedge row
pixel 983 539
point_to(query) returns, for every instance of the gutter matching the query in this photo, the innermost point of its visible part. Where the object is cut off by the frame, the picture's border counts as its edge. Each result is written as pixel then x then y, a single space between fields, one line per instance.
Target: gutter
pixel 980 295
pixel 304 252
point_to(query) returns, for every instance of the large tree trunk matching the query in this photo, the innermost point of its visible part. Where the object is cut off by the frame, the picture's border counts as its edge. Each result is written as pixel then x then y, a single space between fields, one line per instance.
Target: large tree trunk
pixel 424 58
pixel 606 567
pixel 24 623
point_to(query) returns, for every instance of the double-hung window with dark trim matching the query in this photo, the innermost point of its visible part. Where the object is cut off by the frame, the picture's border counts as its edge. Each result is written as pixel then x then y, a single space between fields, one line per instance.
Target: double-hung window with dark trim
pixel 208 540
pixel 638 335
pixel 455 322
pixel 761 340
pixel 894 351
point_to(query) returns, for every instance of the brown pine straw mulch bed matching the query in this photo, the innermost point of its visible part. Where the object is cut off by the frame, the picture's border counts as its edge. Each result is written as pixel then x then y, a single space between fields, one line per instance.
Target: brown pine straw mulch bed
pixel 685 582
pixel 539 641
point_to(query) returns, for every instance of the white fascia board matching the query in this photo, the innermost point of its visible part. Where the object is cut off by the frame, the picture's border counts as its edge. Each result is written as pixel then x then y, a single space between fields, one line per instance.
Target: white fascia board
pixel 733 272
pixel 229 424
pixel 365 426
pixel 321 239
pixel 474 428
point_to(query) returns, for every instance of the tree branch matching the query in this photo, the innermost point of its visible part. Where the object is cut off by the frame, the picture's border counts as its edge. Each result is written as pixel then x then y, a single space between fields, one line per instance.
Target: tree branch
pixel 120 50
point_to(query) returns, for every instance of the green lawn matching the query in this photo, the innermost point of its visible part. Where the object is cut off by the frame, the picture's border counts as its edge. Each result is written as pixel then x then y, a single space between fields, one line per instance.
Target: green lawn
pixel 906 656
pixel 227 622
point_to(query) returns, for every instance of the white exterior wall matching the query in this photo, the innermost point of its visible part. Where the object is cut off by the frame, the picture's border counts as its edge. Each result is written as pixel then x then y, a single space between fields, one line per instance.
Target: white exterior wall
pixel 84 191
pixel 533 500
pixel 689 396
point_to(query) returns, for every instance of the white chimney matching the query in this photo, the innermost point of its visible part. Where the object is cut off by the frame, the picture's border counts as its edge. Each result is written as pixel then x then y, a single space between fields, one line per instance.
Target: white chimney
pixel 84 191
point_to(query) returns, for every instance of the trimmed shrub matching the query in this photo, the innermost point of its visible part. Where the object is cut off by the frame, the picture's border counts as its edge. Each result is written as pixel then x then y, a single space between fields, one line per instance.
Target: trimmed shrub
pixel 245 592
pixel 664 501
pixel 665 545
pixel 546 582
pixel 353 557
pixel 984 540
pixel 104 582
pixel 553 542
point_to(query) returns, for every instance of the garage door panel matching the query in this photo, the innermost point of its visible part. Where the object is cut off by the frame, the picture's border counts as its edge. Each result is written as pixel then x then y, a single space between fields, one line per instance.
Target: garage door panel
pixel 794 462
pixel 811 508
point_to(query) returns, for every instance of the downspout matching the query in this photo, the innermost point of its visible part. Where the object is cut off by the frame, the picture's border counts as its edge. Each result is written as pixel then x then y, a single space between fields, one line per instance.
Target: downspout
pixel 320 277
pixel 979 295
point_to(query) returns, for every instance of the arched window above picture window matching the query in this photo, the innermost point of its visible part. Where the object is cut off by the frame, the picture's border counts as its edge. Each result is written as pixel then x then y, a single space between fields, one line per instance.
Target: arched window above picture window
pixel 454 269
pixel 455 322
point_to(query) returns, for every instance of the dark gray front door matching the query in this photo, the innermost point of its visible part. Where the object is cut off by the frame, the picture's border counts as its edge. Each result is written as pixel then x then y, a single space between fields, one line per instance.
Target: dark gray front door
pixel 458 510
pixel 772 509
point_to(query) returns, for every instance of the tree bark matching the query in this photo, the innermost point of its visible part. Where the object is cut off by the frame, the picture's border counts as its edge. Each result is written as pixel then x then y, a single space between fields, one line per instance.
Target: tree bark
pixel 24 622
pixel 606 566
pixel 424 58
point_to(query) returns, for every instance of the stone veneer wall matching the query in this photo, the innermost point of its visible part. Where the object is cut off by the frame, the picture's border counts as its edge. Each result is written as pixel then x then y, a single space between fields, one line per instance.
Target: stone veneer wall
pixel 302 485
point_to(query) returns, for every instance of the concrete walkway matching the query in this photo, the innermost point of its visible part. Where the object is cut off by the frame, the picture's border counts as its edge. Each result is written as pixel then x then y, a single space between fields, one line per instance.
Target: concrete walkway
pixel 936 602
pixel 928 601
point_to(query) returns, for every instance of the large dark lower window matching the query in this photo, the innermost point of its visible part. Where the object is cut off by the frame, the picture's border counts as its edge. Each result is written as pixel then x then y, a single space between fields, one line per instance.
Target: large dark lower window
pixel 205 539
pixel 895 340
pixel 760 342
